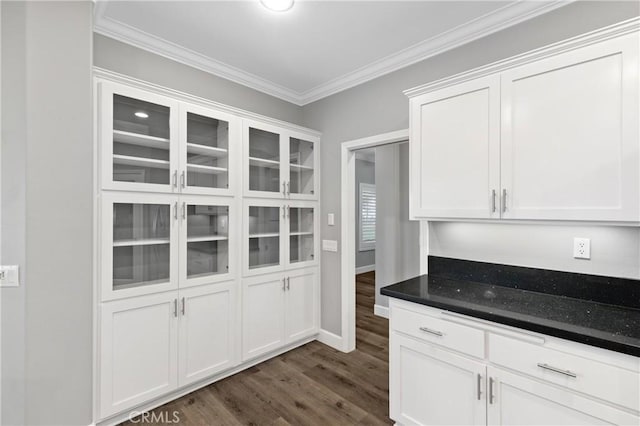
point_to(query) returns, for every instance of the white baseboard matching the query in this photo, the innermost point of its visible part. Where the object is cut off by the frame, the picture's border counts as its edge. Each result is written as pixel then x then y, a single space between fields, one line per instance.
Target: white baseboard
pixel 381 311
pixel 366 268
pixel 330 339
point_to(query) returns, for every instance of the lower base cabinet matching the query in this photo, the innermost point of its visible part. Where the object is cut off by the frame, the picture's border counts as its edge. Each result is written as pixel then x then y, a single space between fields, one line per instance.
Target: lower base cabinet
pixel 430 386
pixel 151 345
pixel 278 309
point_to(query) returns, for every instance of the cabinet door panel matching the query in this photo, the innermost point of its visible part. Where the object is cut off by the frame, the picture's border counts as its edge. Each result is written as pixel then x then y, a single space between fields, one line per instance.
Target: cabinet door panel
pixel 522 401
pixel 455 151
pixel 139 351
pixel 262 315
pixel 207 331
pixel 264 236
pixel 302 227
pixel 430 386
pixel 303 161
pixel 570 135
pixel 301 316
pixel 264 150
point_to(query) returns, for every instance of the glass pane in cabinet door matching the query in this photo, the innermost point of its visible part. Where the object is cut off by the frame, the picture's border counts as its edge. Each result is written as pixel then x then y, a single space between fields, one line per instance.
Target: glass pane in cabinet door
pixel 140 141
pixel 264 161
pixel 141 248
pixel 300 166
pixel 207 152
pixel 264 236
pixel 207 240
pixel 300 234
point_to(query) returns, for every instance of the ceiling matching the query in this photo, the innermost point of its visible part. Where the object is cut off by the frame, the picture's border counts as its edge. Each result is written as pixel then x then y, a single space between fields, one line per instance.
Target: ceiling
pixel 317 48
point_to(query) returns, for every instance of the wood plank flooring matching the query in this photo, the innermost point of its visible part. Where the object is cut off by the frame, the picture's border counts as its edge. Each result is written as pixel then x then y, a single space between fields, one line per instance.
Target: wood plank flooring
pixel 310 385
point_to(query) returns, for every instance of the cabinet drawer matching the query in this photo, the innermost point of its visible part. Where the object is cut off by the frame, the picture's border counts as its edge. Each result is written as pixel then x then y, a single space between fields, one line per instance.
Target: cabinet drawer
pixel 595 378
pixel 442 332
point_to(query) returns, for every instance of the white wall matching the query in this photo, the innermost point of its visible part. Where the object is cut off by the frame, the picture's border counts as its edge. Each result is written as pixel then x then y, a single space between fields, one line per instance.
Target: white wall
pixel 379 106
pixel 397 238
pixel 47 167
pixel 365 173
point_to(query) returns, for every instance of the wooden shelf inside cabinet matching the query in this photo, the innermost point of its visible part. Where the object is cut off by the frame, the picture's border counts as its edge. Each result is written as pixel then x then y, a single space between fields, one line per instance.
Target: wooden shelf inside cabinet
pixel 127 160
pixel 261 162
pixel 209 151
pixel 207 238
pixel 267 235
pixel 206 169
pixel 145 242
pixel 140 139
pixel 296 167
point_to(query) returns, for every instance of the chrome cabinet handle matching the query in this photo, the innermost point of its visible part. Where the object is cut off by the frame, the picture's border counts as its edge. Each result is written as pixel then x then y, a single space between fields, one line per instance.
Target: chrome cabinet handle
pixel 557 370
pixel 184 306
pixel 288 188
pixel 184 210
pixel 430 331
pixel 493 200
pixel 504 200
pixel 175 308
pixel 491 397
pixel 182 179
pixel 479 386
pixel 284 191
pixel 284 213
pixel 175 178
pixel 288 283
pixel 175 210
pixel 284 285
pixel 288 211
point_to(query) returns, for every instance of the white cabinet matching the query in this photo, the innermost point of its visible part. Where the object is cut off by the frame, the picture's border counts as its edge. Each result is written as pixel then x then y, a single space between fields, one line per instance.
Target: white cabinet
pixel 549 136
pixel 157 242
pixel 517 400
pixel 570 146
pixel 278 309
pixel 429 386
pixel 208 331
pixel 153 143
pixel 453 369
pixel 139 351
pixel 456 151
pixel 279 235
pixel 279 163
pixel 150 345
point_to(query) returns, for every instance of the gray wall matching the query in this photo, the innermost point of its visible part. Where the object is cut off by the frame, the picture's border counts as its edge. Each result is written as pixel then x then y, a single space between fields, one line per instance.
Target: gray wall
pixel 379 106
pixel 132 61
pixel 365 173
pixel 398 238
pixel 47 171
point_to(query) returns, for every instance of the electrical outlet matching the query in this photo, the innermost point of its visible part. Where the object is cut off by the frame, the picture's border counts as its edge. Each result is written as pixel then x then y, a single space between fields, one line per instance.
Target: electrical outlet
pixel 9 276
pixel 582 248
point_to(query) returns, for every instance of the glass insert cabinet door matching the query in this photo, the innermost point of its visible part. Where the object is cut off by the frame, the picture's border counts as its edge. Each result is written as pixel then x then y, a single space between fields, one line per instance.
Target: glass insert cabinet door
pixel 211 138
pixel 301 168
pixel 264 242
pixel 263 152
pixel 138 139
pixel 207 239
pixel 301 234
pixel 139 244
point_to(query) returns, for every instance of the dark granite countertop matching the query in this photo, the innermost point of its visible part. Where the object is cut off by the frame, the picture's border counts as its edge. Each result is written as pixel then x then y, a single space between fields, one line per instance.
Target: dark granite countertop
pixel 609 326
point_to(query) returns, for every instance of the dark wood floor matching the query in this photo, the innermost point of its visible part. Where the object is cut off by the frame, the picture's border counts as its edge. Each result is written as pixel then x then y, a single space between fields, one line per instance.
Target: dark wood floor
pixel 310 385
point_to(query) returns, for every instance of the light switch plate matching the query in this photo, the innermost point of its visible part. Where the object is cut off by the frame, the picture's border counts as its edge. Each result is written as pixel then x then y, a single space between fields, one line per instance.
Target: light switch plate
pixel 330 245
pixel 9 276
pixel 331 219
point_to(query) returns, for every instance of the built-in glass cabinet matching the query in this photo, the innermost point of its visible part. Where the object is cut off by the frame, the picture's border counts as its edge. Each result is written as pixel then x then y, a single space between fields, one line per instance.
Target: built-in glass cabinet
pixel 279 163
pixel 301 234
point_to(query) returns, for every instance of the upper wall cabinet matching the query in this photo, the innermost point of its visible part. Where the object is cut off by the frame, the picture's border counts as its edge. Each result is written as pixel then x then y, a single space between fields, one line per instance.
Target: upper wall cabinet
pixel 279 163
pixel 155 144
pixel 555 138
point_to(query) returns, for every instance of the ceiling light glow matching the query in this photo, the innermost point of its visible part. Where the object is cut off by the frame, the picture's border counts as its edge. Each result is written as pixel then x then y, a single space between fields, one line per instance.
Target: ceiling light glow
pixel 277 5
pixel 141 114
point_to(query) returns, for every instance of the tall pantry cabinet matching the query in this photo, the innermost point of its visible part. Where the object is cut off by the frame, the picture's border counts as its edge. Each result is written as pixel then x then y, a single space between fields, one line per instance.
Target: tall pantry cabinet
pixel 200 208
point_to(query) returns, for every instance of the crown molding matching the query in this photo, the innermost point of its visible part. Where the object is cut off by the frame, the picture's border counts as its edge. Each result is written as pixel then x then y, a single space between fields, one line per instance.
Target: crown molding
pixel 482 26
pixel 602 34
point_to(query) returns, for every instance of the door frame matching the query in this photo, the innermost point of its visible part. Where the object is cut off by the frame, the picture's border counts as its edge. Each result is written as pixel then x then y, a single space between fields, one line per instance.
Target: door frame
pixel 347 232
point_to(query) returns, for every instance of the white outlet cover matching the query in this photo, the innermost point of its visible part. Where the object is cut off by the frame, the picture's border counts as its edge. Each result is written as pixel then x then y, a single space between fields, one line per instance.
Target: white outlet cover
pixel 330 245
pixel 581 248
pixel 9 276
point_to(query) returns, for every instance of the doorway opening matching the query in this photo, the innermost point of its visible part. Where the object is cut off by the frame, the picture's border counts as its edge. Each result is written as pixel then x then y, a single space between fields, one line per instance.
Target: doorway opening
pixel 380 245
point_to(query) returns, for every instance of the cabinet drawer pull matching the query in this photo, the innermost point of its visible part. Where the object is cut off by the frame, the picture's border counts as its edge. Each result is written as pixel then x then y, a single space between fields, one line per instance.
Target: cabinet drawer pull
pixel 491 390
pixel 558 370
pixel 284 284
pixel 504 200
pixel 175 308
pixel 284 191
pixel 430 331
pixel 184 210
pixel 184 306
pixel 182 179
pixel 175 210
pixel 493 200
pixel 288 283
pixel 288 189
pixel 175 178
pixel 479 386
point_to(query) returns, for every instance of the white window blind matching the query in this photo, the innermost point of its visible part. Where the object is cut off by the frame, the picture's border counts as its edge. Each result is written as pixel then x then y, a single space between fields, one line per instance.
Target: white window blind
pixel 367 217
